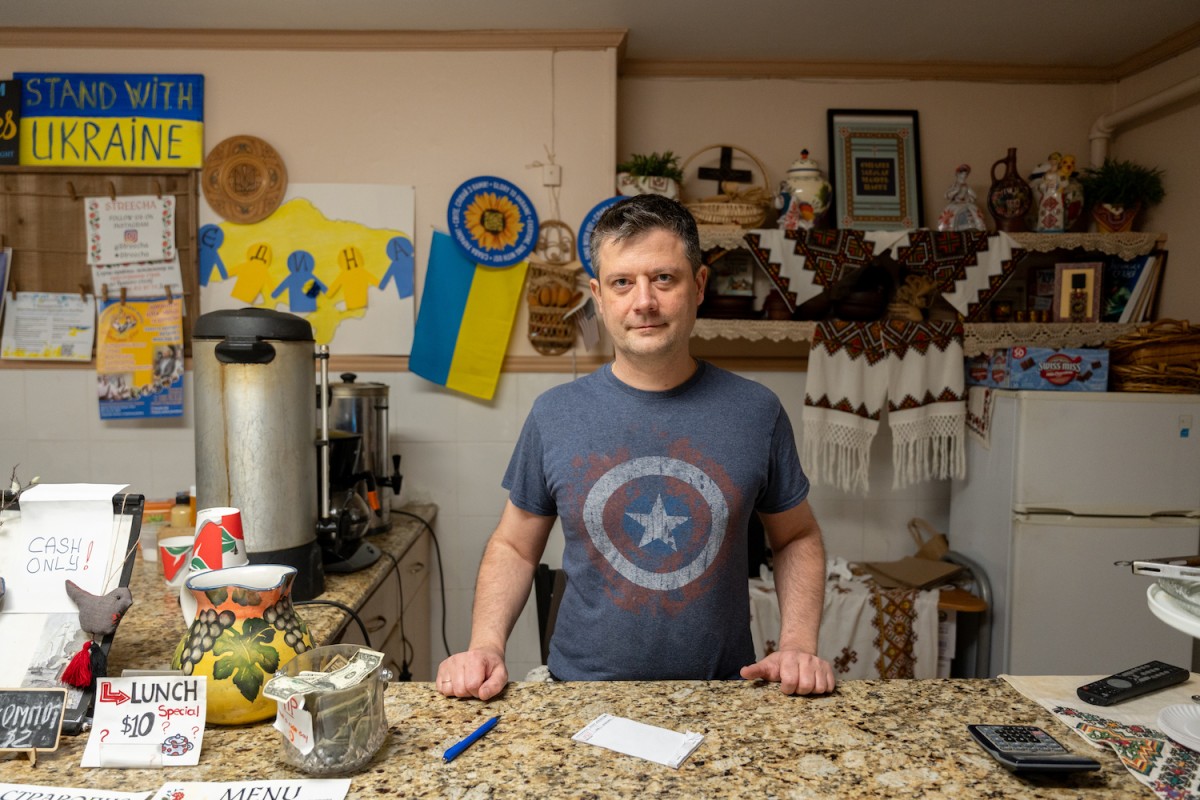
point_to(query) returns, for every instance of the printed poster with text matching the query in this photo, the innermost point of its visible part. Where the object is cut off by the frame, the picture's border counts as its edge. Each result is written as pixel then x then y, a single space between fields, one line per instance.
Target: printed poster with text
pixel 139 359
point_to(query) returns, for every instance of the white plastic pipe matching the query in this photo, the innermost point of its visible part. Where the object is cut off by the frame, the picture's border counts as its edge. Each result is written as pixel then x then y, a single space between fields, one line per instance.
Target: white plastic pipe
pixel 1104 127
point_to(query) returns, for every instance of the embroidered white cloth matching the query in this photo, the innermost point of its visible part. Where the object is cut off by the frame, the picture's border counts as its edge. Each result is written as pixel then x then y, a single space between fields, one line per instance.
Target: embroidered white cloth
pixel 853 369
pixel 866 632
pixel 979 414
pixel 969 267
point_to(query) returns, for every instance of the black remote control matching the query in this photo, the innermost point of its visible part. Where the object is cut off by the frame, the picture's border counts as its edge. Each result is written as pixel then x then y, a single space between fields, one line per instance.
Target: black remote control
pixel 1029 749
pixel 1131 683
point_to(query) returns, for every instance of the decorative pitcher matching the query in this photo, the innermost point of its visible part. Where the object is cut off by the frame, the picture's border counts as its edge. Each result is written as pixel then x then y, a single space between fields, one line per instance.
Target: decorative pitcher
pixel 245 628
pixel 1009 197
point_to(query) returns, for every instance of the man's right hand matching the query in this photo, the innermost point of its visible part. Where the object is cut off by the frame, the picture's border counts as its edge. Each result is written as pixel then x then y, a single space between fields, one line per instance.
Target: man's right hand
pixel 476 673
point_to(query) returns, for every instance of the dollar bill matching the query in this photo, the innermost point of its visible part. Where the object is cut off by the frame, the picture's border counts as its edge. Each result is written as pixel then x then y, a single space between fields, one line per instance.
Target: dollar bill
pixel 284 687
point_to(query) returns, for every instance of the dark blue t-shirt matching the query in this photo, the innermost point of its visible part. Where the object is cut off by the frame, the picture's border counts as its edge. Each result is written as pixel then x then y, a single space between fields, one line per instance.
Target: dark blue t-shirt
pixel 655 491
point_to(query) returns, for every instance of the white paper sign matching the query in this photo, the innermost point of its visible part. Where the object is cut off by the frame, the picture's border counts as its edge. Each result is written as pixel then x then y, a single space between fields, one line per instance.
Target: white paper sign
pixel 43 326
pixel 28 791
pixel 294 722
pixel 64 532
pixel 638 739
pixel 329 789
pixel 147 722
pixel 128 229
pixel 140 279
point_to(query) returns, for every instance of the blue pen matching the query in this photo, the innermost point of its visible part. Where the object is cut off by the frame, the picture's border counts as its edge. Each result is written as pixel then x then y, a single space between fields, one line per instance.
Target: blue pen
pixel 456 750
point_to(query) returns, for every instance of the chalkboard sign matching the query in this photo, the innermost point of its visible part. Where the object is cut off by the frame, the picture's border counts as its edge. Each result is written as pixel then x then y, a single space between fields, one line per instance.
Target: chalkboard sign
pixel 31 718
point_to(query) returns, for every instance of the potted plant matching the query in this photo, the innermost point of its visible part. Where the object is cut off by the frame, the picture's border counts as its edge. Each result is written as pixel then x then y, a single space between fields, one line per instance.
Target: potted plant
pixel 1117 191
pixel 650 174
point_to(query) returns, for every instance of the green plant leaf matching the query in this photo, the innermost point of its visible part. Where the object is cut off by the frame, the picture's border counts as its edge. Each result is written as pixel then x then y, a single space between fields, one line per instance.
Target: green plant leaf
pixel 248 657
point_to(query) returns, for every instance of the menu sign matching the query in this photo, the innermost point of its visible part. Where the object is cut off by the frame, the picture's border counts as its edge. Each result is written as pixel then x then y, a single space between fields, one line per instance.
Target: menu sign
pixel 31 719
pixel 10 116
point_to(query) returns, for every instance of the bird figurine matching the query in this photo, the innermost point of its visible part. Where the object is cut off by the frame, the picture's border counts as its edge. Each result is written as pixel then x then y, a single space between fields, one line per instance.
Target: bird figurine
pixel 99 615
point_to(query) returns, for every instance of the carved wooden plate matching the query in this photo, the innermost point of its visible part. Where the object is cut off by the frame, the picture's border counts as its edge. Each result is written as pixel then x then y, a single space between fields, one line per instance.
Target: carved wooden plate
pixel 244 179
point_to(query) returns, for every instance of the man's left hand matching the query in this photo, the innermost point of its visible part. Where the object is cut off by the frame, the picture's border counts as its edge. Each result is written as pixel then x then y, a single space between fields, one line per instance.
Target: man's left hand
pixel 796 672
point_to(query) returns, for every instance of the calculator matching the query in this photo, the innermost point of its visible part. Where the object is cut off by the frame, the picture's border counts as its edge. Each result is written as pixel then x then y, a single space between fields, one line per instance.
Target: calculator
pixel 1028 749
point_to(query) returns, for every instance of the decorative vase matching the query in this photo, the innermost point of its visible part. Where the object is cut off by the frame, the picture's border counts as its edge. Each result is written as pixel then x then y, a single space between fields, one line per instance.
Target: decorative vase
pixel 629 185
pixel 804 196
pixel 1114 219
pixel 245 628
pixel 1009 197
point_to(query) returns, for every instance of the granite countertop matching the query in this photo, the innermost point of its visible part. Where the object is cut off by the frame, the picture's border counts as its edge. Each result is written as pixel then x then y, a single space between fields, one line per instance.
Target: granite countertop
pixel 886 739
pixel 154 624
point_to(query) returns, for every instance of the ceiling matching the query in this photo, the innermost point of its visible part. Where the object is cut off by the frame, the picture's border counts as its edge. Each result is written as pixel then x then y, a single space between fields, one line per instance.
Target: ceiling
pixel 1082 33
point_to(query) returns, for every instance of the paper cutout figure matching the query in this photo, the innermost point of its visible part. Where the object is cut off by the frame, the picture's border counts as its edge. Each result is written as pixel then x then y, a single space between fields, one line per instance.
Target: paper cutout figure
pixel 252 273
pixel 400 251
pixel 301 285
pixel 211 238
pixel 354 279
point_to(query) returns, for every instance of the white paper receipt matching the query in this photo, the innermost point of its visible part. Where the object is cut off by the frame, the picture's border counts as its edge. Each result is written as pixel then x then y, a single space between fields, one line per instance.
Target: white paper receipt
pixel 640 740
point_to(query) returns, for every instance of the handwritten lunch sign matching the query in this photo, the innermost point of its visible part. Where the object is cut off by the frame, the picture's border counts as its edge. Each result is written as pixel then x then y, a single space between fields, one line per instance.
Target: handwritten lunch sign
pixel 83 119
pixel 31 719
pixel 147 722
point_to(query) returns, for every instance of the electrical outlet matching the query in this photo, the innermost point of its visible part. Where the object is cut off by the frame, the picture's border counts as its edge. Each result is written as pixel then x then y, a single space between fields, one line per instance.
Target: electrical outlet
pixel 551 175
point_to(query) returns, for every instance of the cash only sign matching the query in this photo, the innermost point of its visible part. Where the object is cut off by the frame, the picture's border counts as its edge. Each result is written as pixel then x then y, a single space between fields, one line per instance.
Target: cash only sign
pixel 147 722
pixel 83 119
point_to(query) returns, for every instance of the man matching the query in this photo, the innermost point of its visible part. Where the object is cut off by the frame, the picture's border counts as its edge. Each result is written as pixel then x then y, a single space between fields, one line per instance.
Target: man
pixel 654 464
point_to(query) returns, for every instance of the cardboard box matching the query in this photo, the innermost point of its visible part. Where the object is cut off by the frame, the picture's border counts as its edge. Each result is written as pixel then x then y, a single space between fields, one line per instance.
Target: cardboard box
pixel 1040 368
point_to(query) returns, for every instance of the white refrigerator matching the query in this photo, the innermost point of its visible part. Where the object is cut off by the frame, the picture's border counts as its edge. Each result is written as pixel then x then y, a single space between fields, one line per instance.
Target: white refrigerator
pixel 1069 483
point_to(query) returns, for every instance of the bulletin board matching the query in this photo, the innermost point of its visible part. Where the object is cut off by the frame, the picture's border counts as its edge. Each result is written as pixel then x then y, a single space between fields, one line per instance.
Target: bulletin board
pixel 42 220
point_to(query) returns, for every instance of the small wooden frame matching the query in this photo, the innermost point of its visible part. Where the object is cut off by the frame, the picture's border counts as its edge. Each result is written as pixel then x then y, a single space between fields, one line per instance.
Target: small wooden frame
pixel 1077 286
pixel 31 720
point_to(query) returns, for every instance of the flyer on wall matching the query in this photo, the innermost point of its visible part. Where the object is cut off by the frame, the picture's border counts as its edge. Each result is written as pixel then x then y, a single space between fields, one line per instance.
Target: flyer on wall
pixel 139 358
pixel 46 326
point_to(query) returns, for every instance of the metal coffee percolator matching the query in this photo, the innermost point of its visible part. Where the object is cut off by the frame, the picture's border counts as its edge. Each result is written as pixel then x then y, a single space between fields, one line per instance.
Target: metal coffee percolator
pixel 362 408
pixel 255 425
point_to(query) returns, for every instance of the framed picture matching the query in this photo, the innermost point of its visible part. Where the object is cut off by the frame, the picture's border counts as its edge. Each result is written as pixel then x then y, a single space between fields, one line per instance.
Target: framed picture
pixel 1077 292
pixel 875 169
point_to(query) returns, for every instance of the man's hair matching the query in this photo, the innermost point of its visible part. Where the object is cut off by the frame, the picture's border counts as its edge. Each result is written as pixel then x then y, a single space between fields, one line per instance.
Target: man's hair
pixel 638 215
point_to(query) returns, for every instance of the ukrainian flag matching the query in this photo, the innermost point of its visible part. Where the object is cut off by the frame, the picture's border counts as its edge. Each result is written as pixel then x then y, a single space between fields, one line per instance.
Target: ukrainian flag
pixel 466 317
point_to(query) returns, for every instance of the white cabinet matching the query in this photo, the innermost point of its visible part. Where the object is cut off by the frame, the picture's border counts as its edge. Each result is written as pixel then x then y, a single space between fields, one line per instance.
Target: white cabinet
pixel 396 613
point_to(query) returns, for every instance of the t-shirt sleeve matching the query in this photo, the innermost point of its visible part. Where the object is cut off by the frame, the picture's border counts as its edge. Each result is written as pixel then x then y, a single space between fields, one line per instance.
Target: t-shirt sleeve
pixel 787 485
pixel 525 478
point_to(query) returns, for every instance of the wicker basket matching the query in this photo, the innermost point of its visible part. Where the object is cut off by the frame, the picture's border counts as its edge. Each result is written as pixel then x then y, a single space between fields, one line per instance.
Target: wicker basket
pixel 748 209
pixel 549 333
pixel 1164 378
pixel 1167 342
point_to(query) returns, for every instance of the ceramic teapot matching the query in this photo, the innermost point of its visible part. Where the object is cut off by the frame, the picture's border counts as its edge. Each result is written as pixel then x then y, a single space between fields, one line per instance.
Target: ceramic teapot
pixel 804 196
pixel 245 628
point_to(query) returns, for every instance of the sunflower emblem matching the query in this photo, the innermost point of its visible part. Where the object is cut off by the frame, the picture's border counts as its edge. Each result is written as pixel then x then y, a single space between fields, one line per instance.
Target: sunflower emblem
pixel 493 221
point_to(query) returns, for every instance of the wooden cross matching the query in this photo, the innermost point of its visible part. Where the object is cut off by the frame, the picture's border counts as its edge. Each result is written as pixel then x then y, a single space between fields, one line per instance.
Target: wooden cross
pixel 725 173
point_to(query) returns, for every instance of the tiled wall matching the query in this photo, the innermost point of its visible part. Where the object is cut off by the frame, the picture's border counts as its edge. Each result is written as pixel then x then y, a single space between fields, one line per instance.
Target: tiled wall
pixel 454 451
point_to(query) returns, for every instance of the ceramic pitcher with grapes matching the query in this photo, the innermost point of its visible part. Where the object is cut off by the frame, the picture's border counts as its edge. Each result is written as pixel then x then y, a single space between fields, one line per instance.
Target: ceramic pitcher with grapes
pixel 245 628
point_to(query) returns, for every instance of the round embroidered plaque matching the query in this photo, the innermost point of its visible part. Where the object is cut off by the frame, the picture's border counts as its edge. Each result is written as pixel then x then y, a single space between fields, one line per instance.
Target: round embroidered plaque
pixel 244 179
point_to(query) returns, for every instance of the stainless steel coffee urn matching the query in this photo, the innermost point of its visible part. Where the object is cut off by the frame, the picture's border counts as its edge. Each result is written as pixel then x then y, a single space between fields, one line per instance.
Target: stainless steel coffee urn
pixel 362 408
pixel 255 426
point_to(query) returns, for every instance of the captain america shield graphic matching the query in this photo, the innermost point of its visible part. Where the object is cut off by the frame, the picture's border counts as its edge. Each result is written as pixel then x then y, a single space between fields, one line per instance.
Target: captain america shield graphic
pixel 658 521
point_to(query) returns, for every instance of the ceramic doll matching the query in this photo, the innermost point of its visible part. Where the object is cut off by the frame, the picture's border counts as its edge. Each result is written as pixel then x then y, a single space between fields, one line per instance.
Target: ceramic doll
pixel 962 213
pixel 1050 211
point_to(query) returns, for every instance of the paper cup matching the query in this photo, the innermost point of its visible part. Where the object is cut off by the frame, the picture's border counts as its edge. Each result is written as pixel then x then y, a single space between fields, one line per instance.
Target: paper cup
pixel 174 552
pixel 218 544
pixel 219 540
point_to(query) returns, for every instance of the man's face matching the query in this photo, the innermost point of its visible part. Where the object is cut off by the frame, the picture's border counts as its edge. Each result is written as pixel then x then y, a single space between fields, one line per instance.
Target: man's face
pixel 647 294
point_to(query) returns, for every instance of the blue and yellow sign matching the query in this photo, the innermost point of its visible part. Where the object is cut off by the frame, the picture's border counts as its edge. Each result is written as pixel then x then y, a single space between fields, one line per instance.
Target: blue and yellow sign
pixel 83 119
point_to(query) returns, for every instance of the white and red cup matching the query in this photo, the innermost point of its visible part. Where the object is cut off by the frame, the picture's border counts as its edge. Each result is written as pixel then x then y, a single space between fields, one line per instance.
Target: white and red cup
pixel 218 544
pixel 219 540
pixel 174 552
